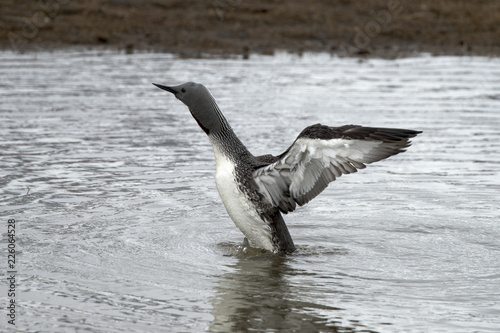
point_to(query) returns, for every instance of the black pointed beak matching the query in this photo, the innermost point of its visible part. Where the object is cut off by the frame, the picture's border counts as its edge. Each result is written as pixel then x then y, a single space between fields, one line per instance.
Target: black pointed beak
pixel 173 91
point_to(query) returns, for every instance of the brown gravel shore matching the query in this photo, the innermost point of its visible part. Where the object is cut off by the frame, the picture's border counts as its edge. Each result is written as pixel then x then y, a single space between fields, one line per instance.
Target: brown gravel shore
pixel 381 28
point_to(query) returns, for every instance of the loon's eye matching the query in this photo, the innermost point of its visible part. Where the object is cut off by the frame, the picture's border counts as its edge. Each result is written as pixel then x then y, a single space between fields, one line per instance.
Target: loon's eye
pixel 183 90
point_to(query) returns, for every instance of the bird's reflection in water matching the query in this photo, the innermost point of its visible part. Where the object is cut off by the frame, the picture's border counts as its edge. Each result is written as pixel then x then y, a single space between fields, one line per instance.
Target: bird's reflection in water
pixel 259 296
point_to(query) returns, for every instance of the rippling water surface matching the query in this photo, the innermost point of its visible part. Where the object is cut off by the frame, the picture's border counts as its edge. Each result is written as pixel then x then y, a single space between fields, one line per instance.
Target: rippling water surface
pixel 120 227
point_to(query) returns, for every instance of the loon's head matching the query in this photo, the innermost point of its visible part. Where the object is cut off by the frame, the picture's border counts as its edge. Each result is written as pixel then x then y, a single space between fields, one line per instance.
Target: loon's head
pixel 201 104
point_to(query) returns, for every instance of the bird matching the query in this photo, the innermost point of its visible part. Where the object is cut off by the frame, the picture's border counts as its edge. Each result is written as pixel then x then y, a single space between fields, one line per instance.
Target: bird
pixel 257 190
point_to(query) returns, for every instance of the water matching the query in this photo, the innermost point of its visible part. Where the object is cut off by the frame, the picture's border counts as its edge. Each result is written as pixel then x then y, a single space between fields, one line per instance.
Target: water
pixel 120 227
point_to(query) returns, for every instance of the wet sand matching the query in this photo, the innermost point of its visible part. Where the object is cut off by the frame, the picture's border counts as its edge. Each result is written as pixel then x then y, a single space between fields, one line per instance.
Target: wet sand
pixel 381 28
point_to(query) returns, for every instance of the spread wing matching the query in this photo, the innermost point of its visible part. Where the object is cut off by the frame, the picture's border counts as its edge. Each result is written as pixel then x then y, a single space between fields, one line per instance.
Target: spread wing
pixel 319 155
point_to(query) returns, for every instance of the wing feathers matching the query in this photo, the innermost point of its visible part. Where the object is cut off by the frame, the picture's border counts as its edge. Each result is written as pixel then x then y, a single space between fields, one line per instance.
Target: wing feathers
pixel 319 155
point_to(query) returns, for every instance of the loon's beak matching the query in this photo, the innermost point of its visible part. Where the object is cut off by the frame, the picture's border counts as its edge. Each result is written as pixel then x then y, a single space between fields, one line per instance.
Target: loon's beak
pixel 173 91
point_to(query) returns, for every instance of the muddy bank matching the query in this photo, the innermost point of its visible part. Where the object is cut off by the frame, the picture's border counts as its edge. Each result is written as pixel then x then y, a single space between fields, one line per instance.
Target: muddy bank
pixel 387 28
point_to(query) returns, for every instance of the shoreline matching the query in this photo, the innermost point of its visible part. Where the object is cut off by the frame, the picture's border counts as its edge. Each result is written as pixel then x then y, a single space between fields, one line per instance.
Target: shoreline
pixel 100 51
pixel 229 28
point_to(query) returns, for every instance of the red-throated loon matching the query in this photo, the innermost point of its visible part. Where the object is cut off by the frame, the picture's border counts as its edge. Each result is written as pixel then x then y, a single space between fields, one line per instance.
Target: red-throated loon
pixel 255 190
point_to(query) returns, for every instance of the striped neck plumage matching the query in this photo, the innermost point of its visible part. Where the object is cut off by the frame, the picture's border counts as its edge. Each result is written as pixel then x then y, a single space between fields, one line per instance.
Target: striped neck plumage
pixel 228 143
pixel 220 120
pixel 207 114
pixel 222 135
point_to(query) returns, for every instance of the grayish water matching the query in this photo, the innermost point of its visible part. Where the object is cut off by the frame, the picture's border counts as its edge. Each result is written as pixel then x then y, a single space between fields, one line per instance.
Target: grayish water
pixel 123 230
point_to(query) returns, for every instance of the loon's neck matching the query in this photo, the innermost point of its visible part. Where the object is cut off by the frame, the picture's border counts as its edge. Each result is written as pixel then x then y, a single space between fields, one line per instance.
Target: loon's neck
pixel 228 144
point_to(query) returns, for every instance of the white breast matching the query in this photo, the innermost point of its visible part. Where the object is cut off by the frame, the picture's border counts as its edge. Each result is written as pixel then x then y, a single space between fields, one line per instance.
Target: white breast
pixel 240 209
